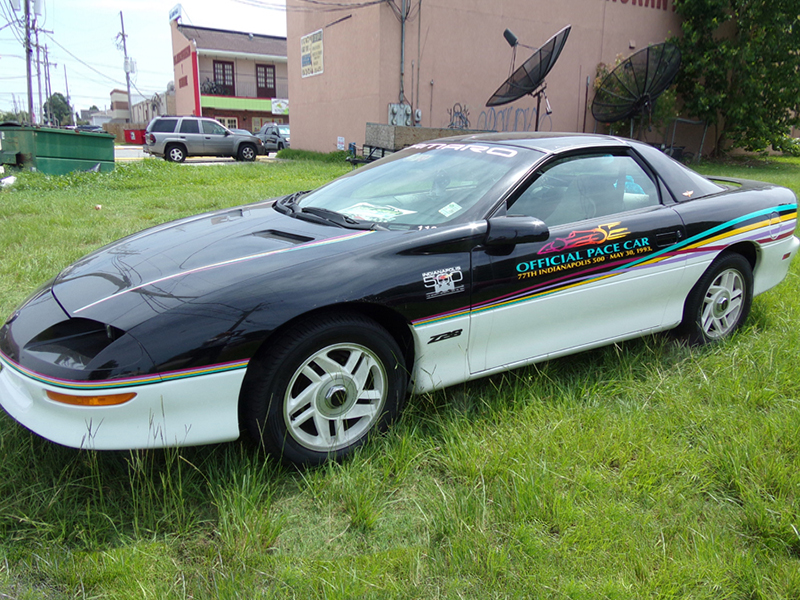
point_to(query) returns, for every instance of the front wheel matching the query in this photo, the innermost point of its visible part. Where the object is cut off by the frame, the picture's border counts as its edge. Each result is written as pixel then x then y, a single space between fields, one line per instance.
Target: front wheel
pixel 247 152
pixel 323 387
pixel 720 300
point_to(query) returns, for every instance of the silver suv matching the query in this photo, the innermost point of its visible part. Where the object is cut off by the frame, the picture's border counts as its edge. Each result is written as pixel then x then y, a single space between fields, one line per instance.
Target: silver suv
pixel 175 138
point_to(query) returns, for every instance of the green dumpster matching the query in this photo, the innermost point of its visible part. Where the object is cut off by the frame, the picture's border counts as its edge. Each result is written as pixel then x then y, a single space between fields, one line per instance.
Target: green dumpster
pixel 56 151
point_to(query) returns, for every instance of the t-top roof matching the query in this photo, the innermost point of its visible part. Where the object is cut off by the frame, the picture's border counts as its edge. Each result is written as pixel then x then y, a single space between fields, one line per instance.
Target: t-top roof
pixel 234 41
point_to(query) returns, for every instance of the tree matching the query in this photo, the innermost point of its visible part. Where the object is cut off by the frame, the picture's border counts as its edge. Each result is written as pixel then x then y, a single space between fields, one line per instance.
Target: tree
pixel 57 109
pixel 740 68
pixel 19 117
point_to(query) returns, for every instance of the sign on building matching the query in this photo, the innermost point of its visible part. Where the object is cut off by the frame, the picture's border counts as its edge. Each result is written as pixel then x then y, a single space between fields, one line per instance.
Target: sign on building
pixel 311 54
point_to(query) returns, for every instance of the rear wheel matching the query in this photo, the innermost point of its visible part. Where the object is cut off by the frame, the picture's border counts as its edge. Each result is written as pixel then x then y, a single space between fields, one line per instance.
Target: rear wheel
pixel 175 153
pixel 323 387
pixel 247 152
pixel 720 301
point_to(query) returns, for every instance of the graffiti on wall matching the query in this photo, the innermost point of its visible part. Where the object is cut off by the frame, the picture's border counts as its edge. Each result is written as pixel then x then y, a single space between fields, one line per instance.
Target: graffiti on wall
pixel 513 118
pixel 459 116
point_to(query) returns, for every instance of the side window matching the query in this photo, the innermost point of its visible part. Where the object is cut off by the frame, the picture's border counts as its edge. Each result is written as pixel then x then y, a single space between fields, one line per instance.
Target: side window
pixel 164 125
pixel 212 128
pixel 189 126
pixel 586 187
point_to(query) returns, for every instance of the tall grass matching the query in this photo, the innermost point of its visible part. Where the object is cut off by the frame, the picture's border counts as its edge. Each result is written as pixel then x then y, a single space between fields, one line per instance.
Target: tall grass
pixel 640 470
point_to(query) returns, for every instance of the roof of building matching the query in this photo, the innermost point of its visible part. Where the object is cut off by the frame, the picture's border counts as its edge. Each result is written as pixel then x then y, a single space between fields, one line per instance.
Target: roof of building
pixel 234 41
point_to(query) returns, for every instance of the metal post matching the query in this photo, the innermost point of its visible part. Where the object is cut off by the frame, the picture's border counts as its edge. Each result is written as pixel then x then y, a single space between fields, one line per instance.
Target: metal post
pixel 127 66
pixel 71 111
pixel 402 51
pixel 39 71
pixel 28 57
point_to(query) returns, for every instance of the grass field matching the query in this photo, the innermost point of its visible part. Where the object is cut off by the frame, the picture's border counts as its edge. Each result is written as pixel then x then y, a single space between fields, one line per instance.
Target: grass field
pixel 640 470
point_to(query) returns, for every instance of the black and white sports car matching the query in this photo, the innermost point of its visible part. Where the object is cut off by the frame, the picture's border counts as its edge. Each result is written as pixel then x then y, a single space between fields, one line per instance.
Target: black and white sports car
pixel 308 319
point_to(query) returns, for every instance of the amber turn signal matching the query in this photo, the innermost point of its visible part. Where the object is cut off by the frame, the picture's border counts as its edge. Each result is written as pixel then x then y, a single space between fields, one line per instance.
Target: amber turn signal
pixel 105 400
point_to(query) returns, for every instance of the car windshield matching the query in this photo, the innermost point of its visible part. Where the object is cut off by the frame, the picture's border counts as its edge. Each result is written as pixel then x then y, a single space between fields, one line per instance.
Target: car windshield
pixel 425 185
pixel 284 130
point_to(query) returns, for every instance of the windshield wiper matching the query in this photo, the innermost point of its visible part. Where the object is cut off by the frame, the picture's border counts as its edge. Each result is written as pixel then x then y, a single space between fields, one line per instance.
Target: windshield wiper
pixel 288 204
pixel 331 216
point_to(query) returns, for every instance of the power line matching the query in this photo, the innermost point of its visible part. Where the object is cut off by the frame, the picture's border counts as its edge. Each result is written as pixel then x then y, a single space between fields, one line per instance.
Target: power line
pixel 85 64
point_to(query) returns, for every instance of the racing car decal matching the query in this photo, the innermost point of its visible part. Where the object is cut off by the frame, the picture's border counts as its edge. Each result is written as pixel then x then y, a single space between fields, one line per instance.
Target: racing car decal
pixel 578 239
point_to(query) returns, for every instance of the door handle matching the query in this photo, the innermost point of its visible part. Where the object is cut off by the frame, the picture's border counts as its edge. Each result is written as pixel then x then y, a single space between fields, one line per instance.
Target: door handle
pixel 668 238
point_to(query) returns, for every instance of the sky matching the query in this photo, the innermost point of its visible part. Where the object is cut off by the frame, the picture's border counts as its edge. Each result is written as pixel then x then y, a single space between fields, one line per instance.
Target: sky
pixel 82 36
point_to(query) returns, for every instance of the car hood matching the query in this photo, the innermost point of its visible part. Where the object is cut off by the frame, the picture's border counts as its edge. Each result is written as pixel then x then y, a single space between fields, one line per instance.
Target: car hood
pixel 161 268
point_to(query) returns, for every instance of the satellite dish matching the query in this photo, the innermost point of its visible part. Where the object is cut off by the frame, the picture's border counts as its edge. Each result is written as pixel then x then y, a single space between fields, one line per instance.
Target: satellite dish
pixel 530 76
pixel 633 86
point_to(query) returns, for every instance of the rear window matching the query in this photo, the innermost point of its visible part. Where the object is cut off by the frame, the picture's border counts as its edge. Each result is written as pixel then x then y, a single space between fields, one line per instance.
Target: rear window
pixel 163 125
pixel 683 183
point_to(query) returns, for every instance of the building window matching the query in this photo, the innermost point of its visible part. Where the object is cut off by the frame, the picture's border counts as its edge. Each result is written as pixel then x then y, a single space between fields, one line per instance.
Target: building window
pixel 265 81
pixel 229 122
pixel 223 78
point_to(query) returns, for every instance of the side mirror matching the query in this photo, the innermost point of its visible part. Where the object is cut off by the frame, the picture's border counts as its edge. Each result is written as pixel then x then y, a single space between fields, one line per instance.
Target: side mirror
pixel 510 230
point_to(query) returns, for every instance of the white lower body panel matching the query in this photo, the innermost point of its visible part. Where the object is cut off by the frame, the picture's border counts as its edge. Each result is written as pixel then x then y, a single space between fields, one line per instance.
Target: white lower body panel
pixel 185 412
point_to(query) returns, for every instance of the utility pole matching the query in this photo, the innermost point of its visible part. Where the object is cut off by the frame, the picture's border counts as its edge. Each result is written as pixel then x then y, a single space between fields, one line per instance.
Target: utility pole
pixel 127 66
pixel 39 71
pixel 48 90
pixel 28 57
pixel 69 102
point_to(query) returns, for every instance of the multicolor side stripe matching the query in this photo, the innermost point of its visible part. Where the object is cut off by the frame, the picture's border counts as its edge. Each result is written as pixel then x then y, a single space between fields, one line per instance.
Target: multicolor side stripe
pixel 89 386
pixel 709 241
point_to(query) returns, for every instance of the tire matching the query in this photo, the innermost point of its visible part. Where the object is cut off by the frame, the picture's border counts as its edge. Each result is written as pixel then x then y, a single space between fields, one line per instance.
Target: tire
pixel 720 300
pixel 319 390
pixel 247 153
pixel 175 153
pixel 280 146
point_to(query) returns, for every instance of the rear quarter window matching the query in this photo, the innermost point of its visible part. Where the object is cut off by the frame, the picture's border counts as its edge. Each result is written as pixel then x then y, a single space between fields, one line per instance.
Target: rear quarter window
pixel 163 125
pixel 683 183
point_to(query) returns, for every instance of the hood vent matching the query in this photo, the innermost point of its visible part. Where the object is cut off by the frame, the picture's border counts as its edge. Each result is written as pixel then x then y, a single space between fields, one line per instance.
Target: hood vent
pixel 282 236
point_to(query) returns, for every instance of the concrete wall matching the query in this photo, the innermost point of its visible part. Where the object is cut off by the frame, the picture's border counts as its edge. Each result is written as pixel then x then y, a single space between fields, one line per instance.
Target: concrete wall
pixel 456 56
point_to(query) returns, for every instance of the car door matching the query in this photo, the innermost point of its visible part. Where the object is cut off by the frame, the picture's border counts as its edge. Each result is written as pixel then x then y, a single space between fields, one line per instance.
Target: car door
pixel 191 135
pixel 217 140
pixel 604 273
pixel 271 138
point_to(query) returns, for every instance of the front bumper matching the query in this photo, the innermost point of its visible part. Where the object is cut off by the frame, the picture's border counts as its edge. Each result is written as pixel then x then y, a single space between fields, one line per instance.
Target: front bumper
pixel 190 411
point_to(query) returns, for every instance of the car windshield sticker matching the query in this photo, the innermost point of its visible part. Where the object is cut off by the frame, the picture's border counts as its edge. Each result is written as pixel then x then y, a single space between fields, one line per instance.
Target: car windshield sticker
pixel 688 193
pixel 450 209
pixel 443 282
pixel 378 214
pixel 476 148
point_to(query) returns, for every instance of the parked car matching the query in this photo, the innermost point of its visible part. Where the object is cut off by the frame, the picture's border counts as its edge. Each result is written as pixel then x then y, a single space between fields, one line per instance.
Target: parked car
pixel 274 136
pixel 90 128
pixel 175 138
pixel 305 320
